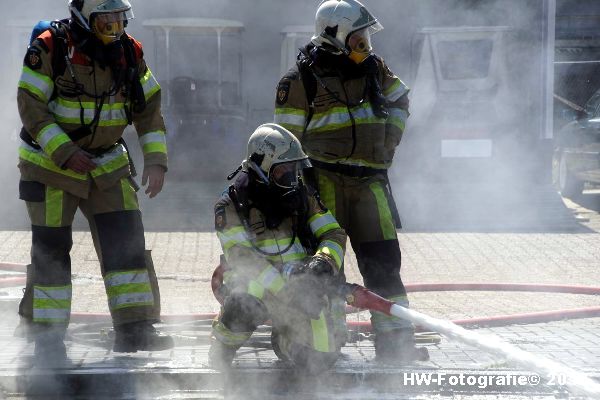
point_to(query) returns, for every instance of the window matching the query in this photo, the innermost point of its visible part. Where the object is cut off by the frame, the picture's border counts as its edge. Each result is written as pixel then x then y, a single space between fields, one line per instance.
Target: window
pixel 465 59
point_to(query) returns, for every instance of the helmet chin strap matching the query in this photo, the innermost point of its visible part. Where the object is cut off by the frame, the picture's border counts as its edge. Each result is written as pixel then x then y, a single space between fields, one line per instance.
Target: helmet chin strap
pixel 81 19
pixel 336 43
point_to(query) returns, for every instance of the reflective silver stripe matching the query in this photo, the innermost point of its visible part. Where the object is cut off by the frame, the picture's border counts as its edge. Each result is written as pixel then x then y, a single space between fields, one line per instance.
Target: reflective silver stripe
pixel 41 82
pixel 61 314
pixel 398 92
pixel 52 294
pixel 229 240
pixel 123 278
pixel 322 221
pixel 110 156
pixel 296 248
pixel 270 276
pixel 399 113
pixel 130 298
pixel 149 84
pixel 70 113
pixel 335 247
pixel 342 117
pixel 290 119
pixel 49 134
pixel 153 137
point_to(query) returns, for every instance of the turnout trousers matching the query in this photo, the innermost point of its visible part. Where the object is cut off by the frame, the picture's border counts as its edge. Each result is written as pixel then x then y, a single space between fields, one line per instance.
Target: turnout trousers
pixel 118 235
pixel 362 208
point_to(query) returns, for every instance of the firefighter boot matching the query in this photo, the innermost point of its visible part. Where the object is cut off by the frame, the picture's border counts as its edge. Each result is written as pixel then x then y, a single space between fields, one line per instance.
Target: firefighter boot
pixel 50 350
pixel 220 356
pixel 398 348
pixel 142 336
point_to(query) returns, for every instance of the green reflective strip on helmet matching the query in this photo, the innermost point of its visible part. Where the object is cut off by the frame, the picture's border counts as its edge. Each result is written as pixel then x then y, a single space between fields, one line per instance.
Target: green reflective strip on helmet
pixel 149 84
pixel 327 192
pixel 54 207
pixel 395 91
pixel 320 333
pixel 333 250
pixel 256 289
pixel 38 157
pixel 129 197
pixel 38 84
pixel 386 221
pixel 228 337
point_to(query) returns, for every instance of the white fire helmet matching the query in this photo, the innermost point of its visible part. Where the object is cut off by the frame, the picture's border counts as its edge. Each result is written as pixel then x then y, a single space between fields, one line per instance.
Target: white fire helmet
pixel 337 21
pixel 105 18
pixel 276 156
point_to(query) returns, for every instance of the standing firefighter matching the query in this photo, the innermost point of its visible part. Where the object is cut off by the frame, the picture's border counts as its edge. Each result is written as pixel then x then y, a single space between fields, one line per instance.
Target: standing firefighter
pixel 282 248
pixel 84 80
pixel 348 110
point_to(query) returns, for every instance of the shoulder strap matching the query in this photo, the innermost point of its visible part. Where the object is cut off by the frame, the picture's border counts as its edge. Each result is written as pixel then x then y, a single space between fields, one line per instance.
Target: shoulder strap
pixel 310 86
pixel 60 39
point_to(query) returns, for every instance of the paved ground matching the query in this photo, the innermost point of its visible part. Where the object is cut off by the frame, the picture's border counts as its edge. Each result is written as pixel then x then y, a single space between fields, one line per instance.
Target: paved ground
pixel 185 260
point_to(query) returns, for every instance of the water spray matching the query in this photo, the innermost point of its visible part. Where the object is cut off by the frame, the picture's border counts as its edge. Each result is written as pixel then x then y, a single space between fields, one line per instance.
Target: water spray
pixel 361 297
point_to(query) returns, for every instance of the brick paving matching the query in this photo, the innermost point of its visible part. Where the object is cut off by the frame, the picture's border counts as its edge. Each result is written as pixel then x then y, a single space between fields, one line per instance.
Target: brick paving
pixel 185 261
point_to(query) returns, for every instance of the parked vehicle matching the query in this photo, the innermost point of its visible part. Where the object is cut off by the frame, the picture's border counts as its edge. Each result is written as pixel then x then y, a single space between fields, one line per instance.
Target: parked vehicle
pixel 577 150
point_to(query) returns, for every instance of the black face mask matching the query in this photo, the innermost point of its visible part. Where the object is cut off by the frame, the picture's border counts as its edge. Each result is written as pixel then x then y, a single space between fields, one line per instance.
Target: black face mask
pixel 276 203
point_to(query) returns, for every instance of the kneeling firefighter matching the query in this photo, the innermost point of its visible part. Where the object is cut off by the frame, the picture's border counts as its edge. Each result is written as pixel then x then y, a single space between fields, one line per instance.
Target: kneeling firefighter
pixel 282 248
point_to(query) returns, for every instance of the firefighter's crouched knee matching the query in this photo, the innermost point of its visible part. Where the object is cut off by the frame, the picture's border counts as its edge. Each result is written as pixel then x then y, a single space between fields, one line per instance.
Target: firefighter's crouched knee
pixel 311 361
pixel 243 312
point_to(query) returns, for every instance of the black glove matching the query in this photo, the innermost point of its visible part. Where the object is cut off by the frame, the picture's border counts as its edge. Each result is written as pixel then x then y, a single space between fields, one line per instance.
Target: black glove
pixel 318 266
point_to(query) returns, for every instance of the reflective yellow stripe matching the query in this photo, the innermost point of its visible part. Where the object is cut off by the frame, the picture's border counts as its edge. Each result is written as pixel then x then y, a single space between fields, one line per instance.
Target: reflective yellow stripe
pixel 271 279
pixel 322 223
pixel 54 207
pixel 154 142
pixel 129 197
pixel 290 118
pixel 333 250
pixel 38 157
pixel 327 192
pixel 256 289
pixel 395 91
pixel 320 334
pixel 149 84
pixel 51 138
pixel 37 84
pixel 154 148
pixel 386 222
pixel 227 337
pixel 52 304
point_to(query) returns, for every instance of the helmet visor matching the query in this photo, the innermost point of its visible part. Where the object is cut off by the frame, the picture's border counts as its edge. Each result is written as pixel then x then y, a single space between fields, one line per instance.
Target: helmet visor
pixel 287 175
pixel 112 24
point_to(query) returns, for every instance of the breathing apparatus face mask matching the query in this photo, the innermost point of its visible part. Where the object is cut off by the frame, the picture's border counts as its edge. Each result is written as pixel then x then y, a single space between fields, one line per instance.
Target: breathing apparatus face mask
pixel 109 27
pixel 359 43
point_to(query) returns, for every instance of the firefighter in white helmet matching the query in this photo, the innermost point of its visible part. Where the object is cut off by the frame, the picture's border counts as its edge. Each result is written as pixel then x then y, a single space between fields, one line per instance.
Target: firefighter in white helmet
pixel 84 81
pixel 349 111
pixel 281 248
